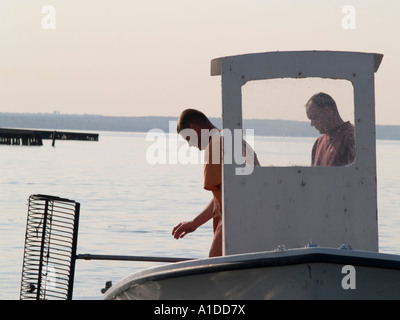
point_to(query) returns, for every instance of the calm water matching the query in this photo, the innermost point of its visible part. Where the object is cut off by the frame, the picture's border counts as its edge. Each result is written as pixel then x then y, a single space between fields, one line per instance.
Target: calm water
pixel 129 206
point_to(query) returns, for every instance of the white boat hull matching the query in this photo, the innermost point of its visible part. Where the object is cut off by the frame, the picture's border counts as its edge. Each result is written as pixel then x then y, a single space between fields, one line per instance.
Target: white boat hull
pixel 309 273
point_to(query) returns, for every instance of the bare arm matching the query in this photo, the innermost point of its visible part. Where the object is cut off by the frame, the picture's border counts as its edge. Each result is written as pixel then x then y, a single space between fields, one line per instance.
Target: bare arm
pixel 183 228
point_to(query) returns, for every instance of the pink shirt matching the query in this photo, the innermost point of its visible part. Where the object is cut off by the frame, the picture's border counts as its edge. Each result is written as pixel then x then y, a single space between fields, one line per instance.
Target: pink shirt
pixel 335 148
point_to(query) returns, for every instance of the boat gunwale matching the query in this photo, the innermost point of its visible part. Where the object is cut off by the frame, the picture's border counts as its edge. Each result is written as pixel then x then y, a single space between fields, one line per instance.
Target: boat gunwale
pixel 257 260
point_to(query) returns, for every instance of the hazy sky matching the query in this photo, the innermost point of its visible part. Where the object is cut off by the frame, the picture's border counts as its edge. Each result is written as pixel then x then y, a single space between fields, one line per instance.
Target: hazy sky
pixel 152 57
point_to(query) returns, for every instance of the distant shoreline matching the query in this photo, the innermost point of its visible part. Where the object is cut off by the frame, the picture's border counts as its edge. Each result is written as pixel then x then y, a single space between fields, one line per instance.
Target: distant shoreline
pixel 57 121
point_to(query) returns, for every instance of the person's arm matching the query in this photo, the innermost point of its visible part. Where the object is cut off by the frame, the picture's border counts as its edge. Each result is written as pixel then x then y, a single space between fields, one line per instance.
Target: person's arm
pixel 183 228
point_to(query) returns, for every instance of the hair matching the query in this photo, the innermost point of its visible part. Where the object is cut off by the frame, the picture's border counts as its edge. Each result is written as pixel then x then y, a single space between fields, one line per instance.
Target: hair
pixel 322 100
pixel 190 116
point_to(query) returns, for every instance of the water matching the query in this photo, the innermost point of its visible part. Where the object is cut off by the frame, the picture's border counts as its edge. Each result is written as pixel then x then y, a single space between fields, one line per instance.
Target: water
pixel 129 206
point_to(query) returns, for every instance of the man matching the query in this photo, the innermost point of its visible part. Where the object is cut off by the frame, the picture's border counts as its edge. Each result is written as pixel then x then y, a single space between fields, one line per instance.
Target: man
pixel 336 145
pixel 199 132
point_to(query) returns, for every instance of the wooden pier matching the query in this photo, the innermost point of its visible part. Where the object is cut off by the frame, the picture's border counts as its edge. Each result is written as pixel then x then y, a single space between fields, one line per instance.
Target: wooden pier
pixel 27 137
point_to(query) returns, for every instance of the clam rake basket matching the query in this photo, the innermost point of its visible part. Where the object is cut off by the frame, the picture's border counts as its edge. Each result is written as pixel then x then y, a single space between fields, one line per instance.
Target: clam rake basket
pixel 50 248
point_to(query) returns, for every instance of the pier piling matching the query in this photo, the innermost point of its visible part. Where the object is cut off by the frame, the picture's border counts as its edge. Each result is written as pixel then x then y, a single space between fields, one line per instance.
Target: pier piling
pixel 27 137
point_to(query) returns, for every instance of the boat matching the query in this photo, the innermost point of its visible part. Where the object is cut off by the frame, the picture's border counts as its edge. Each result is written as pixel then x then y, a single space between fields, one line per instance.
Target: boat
pixel 310 273
pixel 275 211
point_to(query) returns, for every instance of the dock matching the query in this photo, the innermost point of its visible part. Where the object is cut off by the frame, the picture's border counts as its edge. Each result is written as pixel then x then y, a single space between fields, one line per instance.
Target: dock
pixel 28 137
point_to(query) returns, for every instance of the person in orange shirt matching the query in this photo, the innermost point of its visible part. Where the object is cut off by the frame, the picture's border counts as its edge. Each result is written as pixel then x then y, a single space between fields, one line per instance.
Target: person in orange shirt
pixel 336 146
pixel 199 132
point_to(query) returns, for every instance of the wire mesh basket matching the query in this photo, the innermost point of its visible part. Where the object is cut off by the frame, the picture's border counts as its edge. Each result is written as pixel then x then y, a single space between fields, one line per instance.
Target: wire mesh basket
pixel 50 248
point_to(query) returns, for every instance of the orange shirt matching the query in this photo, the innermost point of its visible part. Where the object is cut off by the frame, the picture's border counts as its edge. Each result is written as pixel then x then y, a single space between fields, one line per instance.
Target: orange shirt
pixel 213 175
pixel 335 148
pixel 213 171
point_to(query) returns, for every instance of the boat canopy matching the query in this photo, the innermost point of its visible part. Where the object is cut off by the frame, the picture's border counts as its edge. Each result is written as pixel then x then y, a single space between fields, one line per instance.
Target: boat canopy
pixel 288 206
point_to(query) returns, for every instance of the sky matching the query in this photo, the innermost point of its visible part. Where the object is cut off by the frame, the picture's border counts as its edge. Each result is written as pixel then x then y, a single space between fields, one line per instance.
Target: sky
pixel 152 57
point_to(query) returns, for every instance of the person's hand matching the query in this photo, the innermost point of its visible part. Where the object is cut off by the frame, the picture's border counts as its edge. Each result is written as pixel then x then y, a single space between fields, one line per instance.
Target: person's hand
pixel 182 229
